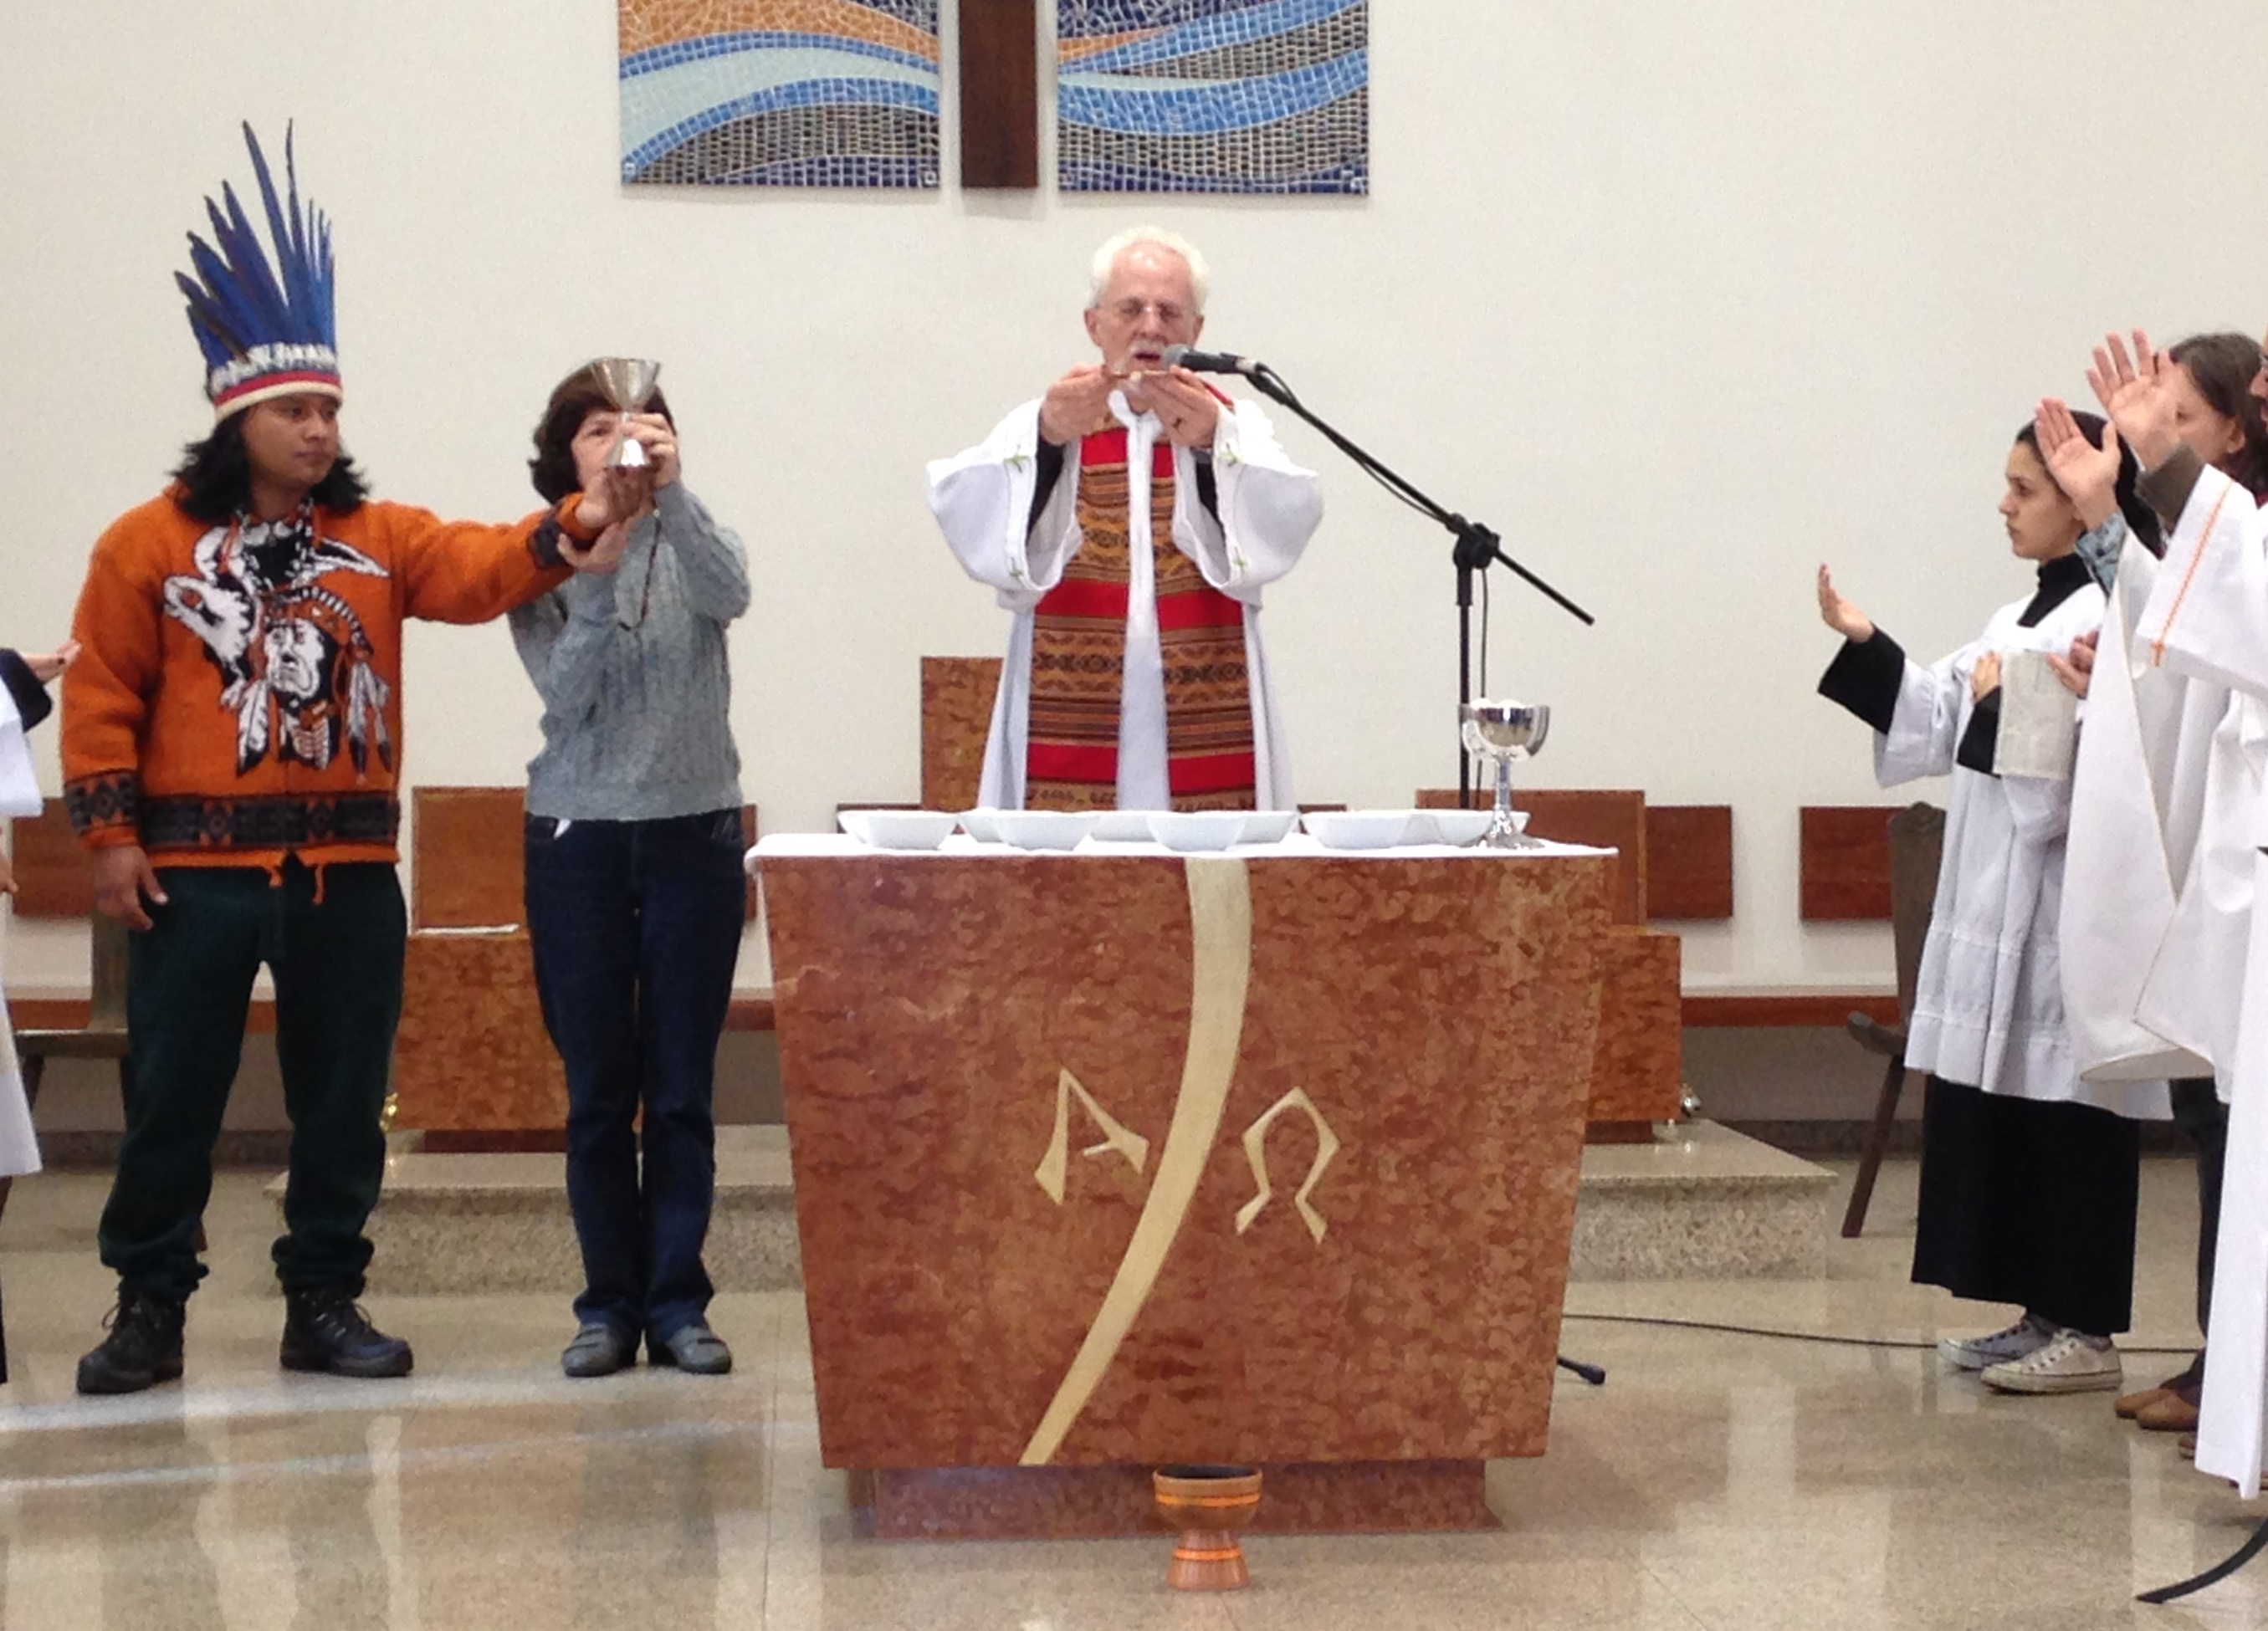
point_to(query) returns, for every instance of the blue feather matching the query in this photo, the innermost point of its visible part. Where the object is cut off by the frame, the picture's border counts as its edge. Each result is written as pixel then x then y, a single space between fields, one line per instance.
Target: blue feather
pixel 239 298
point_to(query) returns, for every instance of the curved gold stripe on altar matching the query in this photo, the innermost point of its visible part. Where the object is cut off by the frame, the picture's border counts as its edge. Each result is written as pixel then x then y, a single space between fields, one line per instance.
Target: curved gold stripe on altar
pixel 1221 958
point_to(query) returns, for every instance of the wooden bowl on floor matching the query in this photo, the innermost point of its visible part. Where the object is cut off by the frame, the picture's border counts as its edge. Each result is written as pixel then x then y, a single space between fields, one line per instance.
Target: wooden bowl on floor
pixel 1208 1504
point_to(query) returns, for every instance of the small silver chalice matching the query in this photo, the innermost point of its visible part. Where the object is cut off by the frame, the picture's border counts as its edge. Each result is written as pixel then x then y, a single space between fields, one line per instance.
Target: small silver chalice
pixel 1502 731
pixel 629 382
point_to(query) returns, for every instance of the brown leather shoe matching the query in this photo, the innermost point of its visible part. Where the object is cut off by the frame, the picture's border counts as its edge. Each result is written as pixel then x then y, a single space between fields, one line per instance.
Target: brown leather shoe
pixel 2169 1412
pixel 2129 1406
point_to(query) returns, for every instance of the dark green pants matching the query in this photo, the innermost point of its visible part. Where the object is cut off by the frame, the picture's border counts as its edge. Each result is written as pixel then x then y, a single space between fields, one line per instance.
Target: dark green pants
pixel 337 966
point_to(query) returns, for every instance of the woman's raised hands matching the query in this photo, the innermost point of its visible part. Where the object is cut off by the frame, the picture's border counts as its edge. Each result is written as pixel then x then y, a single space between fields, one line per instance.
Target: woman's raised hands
pixel 2137 393
pixel 1839 614
pixel 2087 475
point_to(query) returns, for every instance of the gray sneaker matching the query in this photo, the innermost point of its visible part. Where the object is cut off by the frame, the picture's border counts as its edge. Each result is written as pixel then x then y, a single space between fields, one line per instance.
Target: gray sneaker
pixel 694 1348
pixel 598 1349
pixel 1975 1353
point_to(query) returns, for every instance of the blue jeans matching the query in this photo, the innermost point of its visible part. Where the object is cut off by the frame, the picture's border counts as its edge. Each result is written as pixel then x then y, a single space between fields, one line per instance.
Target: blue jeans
pixel 636 927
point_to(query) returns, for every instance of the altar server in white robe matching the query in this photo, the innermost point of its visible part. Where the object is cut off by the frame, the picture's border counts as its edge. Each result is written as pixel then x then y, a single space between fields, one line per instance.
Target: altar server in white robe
pixel 23 703
pixel 1135 676
pixel 2158 873
pixel 2028 1173
pixel 2207 618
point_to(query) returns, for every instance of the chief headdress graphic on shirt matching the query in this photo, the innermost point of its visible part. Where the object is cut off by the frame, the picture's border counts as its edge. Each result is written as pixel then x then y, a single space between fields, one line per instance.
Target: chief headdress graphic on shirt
pixel 294 659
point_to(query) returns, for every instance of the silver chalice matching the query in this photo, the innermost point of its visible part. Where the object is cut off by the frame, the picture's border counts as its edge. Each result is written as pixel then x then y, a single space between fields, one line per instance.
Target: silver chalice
pixel 1501 731
pixel 629 382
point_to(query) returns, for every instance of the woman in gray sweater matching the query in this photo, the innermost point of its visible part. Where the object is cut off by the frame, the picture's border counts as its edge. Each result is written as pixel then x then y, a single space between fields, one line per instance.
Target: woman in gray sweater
pixel 634 885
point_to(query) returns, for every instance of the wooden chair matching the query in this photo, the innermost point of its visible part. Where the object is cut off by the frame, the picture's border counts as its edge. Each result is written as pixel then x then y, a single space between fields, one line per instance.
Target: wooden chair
pixel 1917 841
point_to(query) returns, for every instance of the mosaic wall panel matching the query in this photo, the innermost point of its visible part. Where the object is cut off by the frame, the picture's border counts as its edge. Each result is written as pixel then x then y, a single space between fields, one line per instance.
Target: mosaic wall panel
pixel 1212 96
pixel 779 93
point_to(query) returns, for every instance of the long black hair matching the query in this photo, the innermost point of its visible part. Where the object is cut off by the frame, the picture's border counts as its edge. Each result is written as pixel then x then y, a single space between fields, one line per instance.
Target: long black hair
pixel 2141 520
pixel 216 478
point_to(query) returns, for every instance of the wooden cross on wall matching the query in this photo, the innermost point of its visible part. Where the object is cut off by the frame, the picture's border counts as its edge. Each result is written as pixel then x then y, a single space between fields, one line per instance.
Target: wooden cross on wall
pixel 999 93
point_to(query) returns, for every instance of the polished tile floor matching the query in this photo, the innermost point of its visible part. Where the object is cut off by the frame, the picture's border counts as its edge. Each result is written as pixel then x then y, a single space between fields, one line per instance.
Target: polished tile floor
pixel 1718 1480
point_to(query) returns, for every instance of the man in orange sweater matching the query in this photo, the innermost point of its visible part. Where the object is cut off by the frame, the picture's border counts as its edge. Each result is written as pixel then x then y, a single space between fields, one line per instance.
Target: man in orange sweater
pixel 230 743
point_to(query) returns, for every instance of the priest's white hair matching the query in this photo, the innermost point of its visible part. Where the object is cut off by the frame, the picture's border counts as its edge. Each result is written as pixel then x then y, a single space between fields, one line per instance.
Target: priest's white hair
pixel 1106 258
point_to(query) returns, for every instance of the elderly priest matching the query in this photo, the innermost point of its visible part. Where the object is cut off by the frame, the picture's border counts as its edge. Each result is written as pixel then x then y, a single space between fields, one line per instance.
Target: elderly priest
pixel 1135 676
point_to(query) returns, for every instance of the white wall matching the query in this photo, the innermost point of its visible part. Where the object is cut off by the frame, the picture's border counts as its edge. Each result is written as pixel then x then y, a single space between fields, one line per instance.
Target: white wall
pixel 1683 299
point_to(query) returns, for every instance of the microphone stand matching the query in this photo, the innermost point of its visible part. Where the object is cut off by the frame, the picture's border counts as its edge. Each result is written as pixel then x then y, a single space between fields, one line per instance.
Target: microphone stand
pixel 1478 547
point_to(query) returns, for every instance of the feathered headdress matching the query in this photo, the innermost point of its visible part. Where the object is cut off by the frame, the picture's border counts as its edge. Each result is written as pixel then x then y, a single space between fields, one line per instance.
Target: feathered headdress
pixel 264 332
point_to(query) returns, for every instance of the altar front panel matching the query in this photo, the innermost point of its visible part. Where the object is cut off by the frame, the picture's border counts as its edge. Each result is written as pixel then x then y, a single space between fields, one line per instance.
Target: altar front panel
pixel 1033 1100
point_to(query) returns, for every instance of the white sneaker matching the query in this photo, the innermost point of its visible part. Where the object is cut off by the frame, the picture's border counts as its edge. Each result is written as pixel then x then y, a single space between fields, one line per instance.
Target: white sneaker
pixel 2070 1363
pixel 1975 1352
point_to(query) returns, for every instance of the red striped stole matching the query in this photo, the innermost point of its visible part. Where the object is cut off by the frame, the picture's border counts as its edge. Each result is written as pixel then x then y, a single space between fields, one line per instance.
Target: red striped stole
pixel 1078 654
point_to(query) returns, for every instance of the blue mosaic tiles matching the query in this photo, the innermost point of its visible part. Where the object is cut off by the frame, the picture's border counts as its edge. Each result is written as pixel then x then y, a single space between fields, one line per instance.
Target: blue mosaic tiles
pixel 1212 96
pixel 779 93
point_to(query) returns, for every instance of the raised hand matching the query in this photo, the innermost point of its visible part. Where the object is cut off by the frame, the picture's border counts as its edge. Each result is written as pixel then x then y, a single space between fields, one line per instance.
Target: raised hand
pixel 1077 404
pixel 618 495
pixel 654 433
pixel 2087 475
pixel 1839 614
pixel 2136 393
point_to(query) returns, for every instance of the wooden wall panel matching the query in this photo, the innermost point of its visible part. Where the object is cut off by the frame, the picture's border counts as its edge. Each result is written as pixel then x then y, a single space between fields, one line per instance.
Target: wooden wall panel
pixel 1844 863
pixel 467 844
pixel 1689 862
pixel 1606 817
pixel 1000 94
pixel 1638 1069
pixel 54 876
pixel 956 704
pixel 472 1053
pixel 471 869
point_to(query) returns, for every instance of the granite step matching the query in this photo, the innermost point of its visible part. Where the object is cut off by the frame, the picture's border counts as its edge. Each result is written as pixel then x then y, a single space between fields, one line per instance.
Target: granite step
pixel 1701 1202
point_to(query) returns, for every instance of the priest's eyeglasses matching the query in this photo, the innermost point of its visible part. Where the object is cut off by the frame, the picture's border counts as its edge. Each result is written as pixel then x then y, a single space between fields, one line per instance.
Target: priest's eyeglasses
pixel 1170 314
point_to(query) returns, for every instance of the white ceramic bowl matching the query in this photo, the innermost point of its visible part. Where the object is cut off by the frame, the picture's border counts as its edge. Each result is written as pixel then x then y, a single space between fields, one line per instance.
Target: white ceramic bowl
pixel 1044 829
pixel 1269 826
pixel 1197 829
pixel 899 829
pixel 1124 827
pixel 1458 826
pixel 1357 830
pixel 981 824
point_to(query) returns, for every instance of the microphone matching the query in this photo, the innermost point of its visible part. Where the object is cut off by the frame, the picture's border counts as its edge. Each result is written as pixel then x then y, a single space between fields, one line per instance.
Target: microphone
pixel 1210 362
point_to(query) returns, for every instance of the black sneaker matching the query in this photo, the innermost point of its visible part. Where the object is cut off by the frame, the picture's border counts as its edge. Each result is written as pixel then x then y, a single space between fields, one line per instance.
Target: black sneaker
pixel 143 1347
pixel 326 1330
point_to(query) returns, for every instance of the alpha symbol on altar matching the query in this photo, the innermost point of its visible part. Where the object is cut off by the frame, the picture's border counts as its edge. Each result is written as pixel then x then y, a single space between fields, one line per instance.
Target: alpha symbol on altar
pixel 1055 1167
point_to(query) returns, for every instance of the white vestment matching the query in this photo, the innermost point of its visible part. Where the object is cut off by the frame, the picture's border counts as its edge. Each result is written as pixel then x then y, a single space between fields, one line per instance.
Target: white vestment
pixel 2207 618
pixel 1268 509
pixel 2148 968
pixel 20 796
pixel 1988 1005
